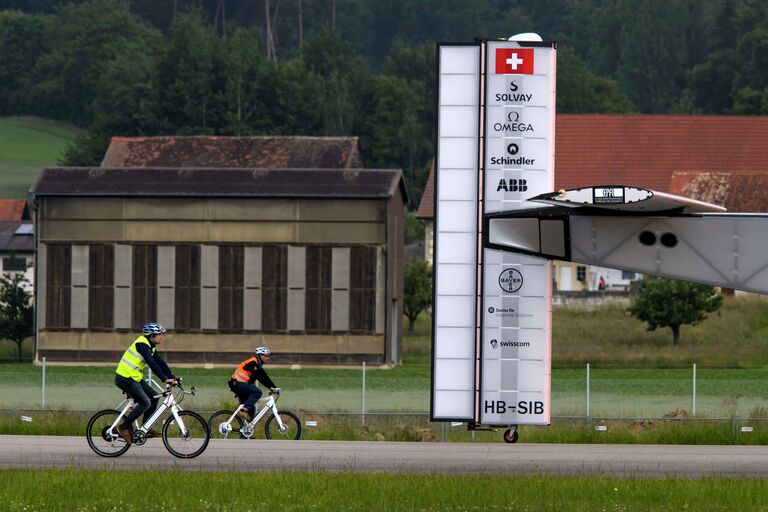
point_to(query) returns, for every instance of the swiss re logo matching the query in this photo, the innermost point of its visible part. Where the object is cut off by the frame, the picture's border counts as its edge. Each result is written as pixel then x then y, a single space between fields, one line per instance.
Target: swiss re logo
pixel 510 280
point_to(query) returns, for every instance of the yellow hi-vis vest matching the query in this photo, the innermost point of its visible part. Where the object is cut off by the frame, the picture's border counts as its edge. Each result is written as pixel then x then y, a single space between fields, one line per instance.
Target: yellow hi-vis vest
pixel 132 365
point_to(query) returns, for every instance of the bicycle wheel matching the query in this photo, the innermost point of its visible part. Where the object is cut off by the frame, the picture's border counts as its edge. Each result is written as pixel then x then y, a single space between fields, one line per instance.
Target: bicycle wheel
pixel 291 424
pixel 102 438
pixel 220 429
pixel 190 441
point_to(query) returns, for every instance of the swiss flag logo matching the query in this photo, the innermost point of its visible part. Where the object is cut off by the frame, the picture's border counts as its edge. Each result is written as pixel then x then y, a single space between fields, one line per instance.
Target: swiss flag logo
pixel 517 61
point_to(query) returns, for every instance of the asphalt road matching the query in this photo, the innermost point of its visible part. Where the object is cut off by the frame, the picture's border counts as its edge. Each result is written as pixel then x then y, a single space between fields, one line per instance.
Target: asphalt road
pixel 433 458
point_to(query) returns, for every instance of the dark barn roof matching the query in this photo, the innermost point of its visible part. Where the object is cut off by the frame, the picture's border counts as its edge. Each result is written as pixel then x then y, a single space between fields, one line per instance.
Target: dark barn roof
pixel 154 182
pixel 10 241
pixel 280 152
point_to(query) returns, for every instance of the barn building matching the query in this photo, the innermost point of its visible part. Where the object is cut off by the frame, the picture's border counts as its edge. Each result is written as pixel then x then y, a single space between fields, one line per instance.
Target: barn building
pixel 229 256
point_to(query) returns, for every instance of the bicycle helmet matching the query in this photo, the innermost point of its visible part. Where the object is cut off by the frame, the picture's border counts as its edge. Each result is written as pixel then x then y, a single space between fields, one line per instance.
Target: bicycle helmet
pixel 152 328
pixel 262 351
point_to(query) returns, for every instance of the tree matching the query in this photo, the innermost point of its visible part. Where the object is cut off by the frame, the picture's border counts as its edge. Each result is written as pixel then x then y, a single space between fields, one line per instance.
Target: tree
pixel 414 228
pixel 188 79
pixel 392 135
pixel 418 290
pixel 243 69
pixel 344 78
pixel 21 37
pixel 78 43
pixel 580 91
pixel 669 303
pixel 16 317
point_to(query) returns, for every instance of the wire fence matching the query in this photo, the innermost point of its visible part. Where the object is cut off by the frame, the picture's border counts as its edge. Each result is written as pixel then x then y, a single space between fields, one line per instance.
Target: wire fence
pixel 578 392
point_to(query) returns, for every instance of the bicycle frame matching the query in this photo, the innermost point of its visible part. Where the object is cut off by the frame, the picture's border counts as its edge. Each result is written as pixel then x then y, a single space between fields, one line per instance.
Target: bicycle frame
pixel 270 405
pixel 169 403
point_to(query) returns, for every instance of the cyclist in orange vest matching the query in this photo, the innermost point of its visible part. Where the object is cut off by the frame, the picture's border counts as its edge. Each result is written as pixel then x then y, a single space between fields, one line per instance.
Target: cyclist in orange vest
pixel 242 381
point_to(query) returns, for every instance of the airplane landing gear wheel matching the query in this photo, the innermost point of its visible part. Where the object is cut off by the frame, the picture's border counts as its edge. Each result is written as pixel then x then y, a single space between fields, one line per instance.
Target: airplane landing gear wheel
pixel 510 435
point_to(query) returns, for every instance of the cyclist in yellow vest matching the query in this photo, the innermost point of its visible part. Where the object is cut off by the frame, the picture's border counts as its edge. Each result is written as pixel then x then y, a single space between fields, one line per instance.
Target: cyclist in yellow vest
pixel 130 376
pixel 242 381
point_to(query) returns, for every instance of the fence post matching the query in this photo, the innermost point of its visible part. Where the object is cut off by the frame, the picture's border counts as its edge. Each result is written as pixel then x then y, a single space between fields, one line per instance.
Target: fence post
pixel 589 417
pixel 363 404
pixel 42 388
pixel 694 389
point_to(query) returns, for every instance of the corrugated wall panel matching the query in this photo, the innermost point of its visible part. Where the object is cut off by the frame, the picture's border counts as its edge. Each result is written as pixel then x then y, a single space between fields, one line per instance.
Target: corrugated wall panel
pixel 209 300
pixel 79 304
pixel 340 289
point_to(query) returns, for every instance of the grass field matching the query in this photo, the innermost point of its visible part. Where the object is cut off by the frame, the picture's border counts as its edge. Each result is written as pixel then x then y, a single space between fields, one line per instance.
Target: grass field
pixel 26 145
pixel 418 428
pixel 170 491
pixel 736 335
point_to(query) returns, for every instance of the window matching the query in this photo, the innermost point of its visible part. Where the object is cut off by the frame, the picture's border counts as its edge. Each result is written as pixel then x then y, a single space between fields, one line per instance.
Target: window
pixel 362 292
pixel 581 273
pixel 58 287
pixel 187 292
pixel 628 276
pixel 231 275
pixel 317 302
pixel 101 286
pixel 14 264
pixel 274 293
pixel 144 285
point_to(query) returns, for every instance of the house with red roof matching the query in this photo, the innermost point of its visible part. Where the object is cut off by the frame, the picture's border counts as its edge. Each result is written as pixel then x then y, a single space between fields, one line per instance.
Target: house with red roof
pixel 720 159
pixel 14 210
pixel 17 247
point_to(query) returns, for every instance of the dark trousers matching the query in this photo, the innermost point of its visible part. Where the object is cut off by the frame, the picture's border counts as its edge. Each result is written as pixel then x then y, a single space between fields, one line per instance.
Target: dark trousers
pixel 248 394
pixel 142 393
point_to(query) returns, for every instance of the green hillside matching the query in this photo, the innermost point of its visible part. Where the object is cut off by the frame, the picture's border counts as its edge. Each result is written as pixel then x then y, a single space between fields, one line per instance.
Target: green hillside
pixel 26 145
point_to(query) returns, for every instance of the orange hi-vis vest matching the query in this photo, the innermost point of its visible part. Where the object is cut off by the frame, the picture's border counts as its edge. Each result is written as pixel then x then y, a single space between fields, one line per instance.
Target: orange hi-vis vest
pixel 243 375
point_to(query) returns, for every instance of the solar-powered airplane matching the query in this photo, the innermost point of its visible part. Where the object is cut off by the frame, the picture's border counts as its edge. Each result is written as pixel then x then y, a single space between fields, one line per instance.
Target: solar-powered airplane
pixel 498 226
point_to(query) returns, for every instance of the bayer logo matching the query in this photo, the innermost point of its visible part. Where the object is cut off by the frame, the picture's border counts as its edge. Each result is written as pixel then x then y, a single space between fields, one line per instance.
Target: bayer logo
pixel 510 280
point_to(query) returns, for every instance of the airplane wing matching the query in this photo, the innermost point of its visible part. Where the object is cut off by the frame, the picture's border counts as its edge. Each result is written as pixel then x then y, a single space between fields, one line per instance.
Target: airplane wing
pixel 690 240
pixel 620 198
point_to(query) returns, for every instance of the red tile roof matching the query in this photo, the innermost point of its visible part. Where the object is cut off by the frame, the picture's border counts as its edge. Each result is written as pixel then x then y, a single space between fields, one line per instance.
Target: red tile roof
pixel 427 204
pixel 645 150
pixel 746 193
pixel 13 210
pixel 242 152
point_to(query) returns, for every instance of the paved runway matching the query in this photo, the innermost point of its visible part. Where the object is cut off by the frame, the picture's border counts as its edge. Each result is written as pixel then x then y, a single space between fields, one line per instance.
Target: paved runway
pixel 434 458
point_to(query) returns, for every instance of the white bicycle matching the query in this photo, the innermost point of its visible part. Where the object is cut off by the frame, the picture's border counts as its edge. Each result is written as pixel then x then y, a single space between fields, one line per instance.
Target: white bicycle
pixel 185 433
pixel 280 425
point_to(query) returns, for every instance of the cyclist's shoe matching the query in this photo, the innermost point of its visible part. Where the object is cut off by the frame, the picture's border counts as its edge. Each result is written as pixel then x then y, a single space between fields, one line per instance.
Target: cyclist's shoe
pixel 125 433
pixel 245 415
pixel 152 433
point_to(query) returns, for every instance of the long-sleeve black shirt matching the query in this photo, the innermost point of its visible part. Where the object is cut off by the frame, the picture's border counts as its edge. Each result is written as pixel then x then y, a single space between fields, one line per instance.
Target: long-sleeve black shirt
pixel 156 363
pixel 258 373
